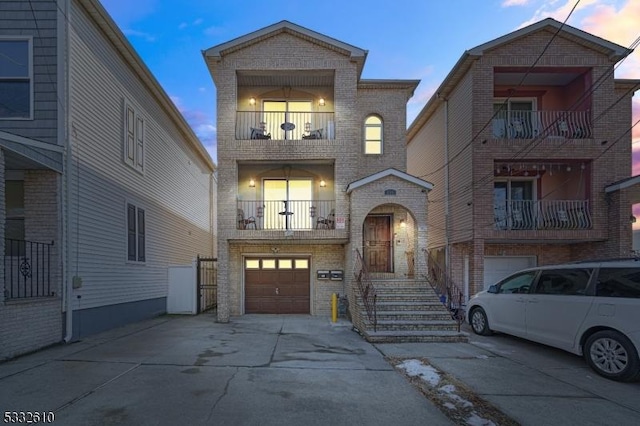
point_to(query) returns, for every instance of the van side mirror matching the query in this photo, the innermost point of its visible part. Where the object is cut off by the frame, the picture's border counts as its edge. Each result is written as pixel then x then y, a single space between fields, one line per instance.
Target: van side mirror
pixel 493 289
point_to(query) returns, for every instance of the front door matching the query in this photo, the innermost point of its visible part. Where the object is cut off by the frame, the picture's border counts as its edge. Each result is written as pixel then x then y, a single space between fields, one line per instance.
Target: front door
pixel 378 243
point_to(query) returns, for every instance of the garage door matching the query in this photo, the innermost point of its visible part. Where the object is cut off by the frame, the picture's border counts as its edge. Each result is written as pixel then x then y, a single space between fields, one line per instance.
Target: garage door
pixel 499 267
pixel 276 285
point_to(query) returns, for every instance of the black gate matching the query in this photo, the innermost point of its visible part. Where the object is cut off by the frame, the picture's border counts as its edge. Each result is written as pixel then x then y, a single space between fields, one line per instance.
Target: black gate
pixel 207 286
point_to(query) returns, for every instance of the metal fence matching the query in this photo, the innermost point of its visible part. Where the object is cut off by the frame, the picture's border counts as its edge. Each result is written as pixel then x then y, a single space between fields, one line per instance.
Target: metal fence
pixel 207 283
pixel 532 124
pixel 27 269
pixel 287 215
pixel 542 214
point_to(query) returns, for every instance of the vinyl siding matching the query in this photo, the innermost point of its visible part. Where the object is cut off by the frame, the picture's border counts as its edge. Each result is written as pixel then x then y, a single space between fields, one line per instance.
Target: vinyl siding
pixel 175 189
pixel 425 159
pixel 461 167
pixel 17 19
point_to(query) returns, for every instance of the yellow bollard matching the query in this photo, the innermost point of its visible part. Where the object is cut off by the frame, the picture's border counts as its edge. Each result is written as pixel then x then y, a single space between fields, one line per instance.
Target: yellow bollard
pixel 334 307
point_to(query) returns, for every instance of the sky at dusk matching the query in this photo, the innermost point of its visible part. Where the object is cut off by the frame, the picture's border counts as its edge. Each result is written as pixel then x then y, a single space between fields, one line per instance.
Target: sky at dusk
pixel 407 39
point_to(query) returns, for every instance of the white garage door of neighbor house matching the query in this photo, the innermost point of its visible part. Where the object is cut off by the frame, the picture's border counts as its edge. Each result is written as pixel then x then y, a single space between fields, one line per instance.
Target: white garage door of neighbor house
pixel 499 267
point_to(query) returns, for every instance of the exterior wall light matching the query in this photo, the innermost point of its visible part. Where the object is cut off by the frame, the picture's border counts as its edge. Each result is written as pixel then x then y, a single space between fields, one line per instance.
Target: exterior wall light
pixel 321 101
pixel 252 101
pixel 252 183
pixel 403 224
pixel 322 183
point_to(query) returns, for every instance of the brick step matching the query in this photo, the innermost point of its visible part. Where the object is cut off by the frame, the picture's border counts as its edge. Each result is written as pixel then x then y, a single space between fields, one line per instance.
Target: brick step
pixel 416 336
pixel 401 325
pixel 412 316
pixel 407 298
pixel 403 289
pixel 382 306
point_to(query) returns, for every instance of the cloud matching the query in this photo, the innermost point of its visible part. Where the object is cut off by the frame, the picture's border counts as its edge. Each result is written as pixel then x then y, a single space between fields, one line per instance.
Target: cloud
pixel 183 25
pixel 509 3
pixel 198 21
pixel 203 125
pixel 133 33
pixel 195 23
pixel 559 13
pixel 214 31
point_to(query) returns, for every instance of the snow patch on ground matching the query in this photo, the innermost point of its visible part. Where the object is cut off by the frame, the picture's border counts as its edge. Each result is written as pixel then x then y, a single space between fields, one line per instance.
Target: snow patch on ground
pixel 475 420
pixel 415 368
pixel 482 357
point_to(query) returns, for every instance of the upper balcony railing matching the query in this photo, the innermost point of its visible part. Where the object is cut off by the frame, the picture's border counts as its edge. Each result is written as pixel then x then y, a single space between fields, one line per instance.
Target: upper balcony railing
pixel 294 215
pixel 281 125
pixel 542 214
pixel 533 124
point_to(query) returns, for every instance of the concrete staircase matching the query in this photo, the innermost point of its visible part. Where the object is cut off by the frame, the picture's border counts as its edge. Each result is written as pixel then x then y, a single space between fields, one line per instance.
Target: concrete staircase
pixel 409 311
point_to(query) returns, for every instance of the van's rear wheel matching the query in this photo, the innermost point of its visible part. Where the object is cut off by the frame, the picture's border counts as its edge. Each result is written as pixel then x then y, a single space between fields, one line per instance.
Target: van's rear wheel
pixel 612 355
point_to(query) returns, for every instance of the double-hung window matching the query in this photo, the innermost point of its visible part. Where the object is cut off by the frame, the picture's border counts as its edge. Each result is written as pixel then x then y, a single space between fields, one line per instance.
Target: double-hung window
pixel 136 235
pixel 16 78
pixel 134 137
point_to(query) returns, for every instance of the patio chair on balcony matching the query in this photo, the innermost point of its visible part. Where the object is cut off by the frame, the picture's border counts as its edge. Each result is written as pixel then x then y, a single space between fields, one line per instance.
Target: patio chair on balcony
pixel 245 222
pixel 259 134
pixel 313 134
pixel 328 222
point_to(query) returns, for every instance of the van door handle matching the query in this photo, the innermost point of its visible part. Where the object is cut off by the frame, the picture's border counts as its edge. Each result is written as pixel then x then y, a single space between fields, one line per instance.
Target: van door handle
pixel 277 290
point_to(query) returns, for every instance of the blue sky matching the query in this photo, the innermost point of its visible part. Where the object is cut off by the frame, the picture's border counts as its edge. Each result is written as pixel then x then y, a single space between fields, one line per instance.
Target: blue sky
pixel 406 39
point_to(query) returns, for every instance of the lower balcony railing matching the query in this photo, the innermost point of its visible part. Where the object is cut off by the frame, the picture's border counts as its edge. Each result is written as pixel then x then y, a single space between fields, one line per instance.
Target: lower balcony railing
pixel 286 214
pixel 533 124
pixel 27 269
pixel 543 214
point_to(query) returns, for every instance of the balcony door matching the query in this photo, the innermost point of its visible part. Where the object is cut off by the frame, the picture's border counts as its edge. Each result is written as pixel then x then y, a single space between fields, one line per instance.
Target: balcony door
pixel 287 203
pixel 287 118
pixel 514 204
pixel 515 118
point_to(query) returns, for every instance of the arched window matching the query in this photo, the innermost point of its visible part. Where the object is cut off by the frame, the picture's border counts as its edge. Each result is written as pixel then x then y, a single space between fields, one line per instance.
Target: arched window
pixel 373 135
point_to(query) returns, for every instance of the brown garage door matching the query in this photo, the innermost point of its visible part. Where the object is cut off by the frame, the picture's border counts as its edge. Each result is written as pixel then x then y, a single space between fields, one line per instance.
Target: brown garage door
pixel 276 285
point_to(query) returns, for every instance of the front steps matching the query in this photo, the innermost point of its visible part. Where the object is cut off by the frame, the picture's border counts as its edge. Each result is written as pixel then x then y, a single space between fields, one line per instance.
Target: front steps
pixel 409 311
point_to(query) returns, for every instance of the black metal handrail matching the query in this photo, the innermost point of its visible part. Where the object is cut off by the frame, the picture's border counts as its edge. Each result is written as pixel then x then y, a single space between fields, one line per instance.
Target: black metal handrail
pixel 27 269
pixel 450 294
pixel 367 290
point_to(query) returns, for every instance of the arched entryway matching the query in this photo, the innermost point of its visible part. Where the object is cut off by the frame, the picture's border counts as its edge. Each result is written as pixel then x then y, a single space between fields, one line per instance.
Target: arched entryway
pixel 389 241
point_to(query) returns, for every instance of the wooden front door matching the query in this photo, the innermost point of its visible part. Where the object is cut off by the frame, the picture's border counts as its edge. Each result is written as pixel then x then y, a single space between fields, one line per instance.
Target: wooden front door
pixel 378 243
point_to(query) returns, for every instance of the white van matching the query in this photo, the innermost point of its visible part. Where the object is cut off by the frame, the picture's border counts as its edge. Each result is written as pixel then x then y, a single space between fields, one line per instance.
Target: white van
pixel 587 308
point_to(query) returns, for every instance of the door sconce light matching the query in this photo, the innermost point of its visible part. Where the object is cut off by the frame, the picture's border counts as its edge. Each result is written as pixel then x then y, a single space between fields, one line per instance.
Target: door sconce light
pixel 323 184
pixel 252 183
pixel 252 101
pixel 321 101
pixel 403 224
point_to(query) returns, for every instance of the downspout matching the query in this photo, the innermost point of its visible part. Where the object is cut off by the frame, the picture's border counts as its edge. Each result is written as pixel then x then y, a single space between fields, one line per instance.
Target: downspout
pixel 447 241
pixel 66 223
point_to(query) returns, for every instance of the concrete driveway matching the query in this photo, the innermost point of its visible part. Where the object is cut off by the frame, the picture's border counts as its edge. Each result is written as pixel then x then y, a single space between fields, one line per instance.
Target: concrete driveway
pixel 531 383
pixel 256 370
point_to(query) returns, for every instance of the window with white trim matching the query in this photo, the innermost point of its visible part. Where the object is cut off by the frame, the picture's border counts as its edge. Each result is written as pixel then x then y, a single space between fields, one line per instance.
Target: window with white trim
pixel 16 78
pixel 136 235
pixel 373 135
pixel 134 134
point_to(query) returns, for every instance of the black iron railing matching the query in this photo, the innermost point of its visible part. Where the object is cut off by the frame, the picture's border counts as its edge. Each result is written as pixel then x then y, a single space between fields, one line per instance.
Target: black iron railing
pixel 367 290
pixel 280 125
pixel 450 294
pixel 207 283
pixel 286 214
pixel 27 269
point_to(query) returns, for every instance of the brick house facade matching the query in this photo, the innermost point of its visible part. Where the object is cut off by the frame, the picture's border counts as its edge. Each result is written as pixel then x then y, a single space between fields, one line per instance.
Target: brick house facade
pixel 520 155
pixel 311 170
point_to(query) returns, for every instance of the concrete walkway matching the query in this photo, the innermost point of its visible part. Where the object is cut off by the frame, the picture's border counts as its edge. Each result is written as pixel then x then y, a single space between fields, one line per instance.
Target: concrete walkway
pixel 256 370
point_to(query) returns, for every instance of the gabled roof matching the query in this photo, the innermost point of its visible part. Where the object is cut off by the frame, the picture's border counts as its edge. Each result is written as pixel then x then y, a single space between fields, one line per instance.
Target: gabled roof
pixel 614 51
pixel 389 172
pixel 355 53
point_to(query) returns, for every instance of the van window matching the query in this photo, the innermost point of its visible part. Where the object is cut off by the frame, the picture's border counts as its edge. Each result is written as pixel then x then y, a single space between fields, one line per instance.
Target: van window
pixel 518 283
pixel 618 282
pixel 568 282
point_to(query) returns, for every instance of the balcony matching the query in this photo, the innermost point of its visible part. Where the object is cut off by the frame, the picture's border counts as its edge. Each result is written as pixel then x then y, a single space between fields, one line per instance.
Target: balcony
pixel 291 215
pixel 279 125
pixel 542 124
pixel 542 215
